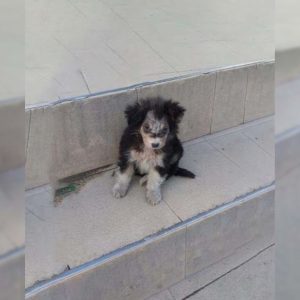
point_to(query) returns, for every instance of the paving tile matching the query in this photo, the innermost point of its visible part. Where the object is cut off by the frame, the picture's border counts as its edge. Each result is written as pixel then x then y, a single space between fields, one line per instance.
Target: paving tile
pixel 263 135
pixel 216 237
pixel 229 102
pixel 57 229
pixel 153 267
pixel 200 279
pixel 256 164
pixel 217 181
pixel 253 280
pixel 100 222
pixel 158 38
pixel 260 92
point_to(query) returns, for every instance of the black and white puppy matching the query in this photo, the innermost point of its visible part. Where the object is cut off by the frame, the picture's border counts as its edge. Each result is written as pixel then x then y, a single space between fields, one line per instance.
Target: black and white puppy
pixel 150 147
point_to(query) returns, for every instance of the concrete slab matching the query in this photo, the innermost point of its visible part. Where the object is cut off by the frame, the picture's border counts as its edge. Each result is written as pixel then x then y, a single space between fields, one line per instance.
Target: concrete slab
pixel 263 136
pixel 12 154
pixel 86 226
pixel 287 105
pixel 260 92
pixel 219 236
pixel 119 43
pixel 103 224
pixel 234 144
pixel 71 137
pixel 229 102
pixel 12 228
pixel 12 275
pixel 219 177
pixel 253 280
pixel 134 275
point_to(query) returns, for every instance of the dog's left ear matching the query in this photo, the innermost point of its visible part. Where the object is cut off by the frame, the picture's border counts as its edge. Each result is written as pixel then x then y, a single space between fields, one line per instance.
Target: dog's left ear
pixel 133 113
pixel 175 111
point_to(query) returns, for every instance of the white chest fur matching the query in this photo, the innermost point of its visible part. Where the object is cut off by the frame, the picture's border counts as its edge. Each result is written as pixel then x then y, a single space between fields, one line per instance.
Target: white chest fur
pixel 146 160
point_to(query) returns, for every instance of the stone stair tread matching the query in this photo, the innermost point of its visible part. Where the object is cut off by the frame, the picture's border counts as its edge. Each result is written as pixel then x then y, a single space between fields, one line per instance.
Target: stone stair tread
pixel 91 223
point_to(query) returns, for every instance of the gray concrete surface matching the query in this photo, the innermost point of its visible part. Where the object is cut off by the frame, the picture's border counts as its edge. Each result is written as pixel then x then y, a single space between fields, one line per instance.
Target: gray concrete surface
pixel 12 275
pixel 162 260
pixel 79 47
pixel 253 280
pixel 102 223
pixel 12 23
pixel 12 227
pixel 288 106
pixel 287 25
pixel 76 136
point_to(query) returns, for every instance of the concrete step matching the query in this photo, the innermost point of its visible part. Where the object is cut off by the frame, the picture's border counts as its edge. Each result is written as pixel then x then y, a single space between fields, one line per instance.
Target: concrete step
pixel 251 280
pixel 75 135
pixel 227 207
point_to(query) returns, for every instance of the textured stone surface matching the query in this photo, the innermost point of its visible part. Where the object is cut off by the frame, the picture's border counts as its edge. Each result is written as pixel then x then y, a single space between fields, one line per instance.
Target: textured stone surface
pixel 239 148
pixel 86 46
pixel 205 277
pixel 86 225
pixel 73 137
pixel 12 133
pixel 102 223
pixel 287 106
pixel 218 236
pixel 253 280
pixel 229 102
pixel 12 228
pixel 135 275
pixel 76 136
pixel 12 275
pixel 260 92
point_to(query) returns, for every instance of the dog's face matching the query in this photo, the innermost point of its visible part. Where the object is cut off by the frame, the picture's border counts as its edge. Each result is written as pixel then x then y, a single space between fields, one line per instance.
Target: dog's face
pixel 154 131
pixel 155 119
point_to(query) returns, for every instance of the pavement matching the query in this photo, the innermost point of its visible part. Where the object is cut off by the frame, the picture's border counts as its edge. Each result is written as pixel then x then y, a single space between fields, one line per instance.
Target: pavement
pixel 76 47
pixel 253 280
pixel 91 223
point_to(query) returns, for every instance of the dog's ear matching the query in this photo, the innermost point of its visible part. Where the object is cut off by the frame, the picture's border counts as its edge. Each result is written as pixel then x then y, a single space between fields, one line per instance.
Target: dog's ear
pixel 133 113
pixel 175 111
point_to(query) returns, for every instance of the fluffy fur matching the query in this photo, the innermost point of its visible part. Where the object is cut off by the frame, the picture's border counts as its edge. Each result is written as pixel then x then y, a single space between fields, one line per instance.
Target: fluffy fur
pixel 150 147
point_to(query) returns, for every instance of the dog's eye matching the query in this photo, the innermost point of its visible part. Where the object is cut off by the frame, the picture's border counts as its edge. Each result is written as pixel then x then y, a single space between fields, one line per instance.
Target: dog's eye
pixel 163 132
pixel 146 128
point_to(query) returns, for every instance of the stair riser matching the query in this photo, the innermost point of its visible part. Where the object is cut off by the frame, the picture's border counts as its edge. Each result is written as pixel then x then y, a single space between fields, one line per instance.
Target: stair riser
pixel 78 135
pixel 159 262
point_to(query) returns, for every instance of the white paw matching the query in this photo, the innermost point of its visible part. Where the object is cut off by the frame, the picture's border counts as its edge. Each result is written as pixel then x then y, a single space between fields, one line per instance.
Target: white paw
pixel 119 190
pixel 153 197
pixel 143 180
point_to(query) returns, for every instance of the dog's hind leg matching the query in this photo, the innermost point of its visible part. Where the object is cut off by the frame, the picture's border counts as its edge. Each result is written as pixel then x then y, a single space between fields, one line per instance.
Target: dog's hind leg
pixel 123 179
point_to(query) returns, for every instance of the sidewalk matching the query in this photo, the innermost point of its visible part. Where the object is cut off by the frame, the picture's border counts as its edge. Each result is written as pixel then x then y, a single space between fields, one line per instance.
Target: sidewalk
pixel 81 47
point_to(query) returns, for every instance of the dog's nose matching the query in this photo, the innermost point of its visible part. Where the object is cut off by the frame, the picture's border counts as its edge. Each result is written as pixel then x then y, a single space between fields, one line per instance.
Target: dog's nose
pixel 155 145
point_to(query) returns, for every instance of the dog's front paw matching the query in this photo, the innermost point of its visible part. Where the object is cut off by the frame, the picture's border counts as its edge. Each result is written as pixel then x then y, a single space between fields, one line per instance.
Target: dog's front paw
pixel 153 197
pixel 119 190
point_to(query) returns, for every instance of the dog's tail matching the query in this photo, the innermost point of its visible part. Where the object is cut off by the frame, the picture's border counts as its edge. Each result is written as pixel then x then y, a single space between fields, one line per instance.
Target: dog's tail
pixel 184 173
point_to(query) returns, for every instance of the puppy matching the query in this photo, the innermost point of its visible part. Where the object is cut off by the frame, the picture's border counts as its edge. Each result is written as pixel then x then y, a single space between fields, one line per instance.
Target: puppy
pixel 150 147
